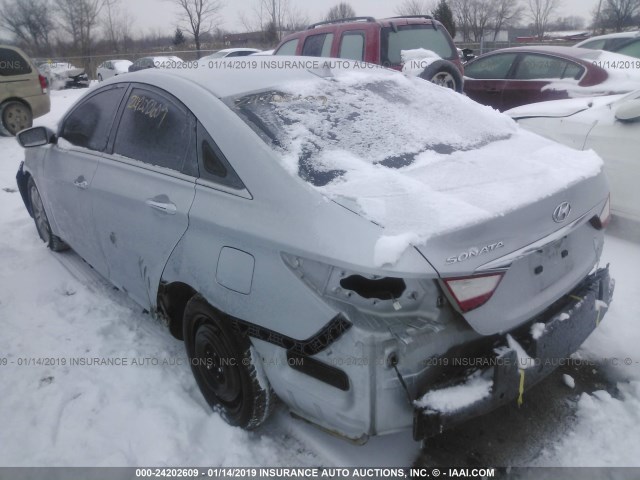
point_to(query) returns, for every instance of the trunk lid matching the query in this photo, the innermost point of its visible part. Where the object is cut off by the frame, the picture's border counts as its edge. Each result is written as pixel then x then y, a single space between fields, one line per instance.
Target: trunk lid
pixel 542 259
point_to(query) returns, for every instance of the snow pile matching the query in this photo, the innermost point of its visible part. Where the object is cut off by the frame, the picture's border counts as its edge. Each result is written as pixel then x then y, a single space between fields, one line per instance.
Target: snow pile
pixel 457 397
pixel 568 380
pixel 415 61
pixel 418 160
pixel 606 433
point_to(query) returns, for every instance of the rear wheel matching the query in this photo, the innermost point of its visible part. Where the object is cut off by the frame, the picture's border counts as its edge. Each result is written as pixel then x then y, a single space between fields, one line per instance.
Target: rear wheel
pixel 99 77
pixel 40 218
pixel 16 116
pixel 223 366
pixel 445 74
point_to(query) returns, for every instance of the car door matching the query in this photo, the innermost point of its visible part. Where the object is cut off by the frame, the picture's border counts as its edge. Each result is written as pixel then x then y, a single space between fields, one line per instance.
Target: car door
pixel 143 190
pixel 618 144
pixel 533 72
pixel 486 77
pixel 70 166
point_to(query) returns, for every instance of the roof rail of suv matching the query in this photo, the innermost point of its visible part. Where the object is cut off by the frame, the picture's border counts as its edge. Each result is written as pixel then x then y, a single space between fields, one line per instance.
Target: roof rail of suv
pixel 341 20
pixel 428 17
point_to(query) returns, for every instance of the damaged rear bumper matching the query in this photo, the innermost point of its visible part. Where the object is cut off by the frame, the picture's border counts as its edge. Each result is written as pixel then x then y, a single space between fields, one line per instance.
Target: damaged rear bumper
pixel 565 329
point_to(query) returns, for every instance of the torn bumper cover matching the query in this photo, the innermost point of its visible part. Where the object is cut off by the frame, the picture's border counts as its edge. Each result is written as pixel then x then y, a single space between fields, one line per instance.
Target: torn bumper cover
pixel 565 329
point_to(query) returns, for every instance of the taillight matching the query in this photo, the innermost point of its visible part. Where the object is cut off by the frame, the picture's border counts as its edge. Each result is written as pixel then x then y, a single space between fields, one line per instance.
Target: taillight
pixel 473 292
pixel 44 84
pixel 602 220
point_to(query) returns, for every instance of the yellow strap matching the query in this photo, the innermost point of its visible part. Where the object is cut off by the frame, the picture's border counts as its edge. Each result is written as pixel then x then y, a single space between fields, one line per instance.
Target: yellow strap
pixel 521 388
pixel 598 318
pixel 575 297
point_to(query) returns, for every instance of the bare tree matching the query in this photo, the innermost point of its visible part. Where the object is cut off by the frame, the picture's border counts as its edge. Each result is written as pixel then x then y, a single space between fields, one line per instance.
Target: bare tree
pixel 618 14
pixel 414 7
pixel 199 17
pixel 273 17
pixel 31 21
pixel 79 18
pixel 475 19
pixel 341 10
pixel 115 23
pixel 540 12
pixel 505 13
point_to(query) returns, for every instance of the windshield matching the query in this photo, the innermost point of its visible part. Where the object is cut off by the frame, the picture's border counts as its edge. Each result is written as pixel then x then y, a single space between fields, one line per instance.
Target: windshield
pixel 324 127
pixel 410 37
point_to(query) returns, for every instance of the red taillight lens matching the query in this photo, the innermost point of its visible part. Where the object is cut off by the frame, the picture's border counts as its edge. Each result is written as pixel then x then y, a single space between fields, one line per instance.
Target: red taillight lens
pixel 473 292
pixel 44 84
pixel 602 220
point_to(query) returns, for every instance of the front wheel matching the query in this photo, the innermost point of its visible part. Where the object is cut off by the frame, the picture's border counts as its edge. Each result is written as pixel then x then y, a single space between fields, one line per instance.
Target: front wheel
pixel 40 218
pixel 224 368
pixel 444 74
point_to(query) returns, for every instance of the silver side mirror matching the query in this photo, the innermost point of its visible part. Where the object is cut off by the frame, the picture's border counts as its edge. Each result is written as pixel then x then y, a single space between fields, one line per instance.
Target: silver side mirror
pixel 629 111
pixel 36 137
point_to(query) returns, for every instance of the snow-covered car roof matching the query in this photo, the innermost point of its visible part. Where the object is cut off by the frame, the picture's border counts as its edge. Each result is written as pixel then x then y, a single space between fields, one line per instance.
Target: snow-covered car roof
pixel 223 53
pixel 633 34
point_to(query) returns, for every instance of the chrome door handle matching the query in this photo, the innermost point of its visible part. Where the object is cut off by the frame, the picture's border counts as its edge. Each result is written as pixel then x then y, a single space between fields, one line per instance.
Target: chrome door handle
pixel 168 208
pixel 82 184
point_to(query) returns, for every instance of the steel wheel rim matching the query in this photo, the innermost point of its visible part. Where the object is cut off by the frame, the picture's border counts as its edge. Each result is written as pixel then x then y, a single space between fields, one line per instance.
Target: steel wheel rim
pixel 16 118
pixel 444 79
pixel 219 378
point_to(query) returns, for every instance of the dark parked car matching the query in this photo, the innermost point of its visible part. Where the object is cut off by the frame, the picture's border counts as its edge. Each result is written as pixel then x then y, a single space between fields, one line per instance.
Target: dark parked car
pixel 381 42
pixel 154 62
pixel 511 77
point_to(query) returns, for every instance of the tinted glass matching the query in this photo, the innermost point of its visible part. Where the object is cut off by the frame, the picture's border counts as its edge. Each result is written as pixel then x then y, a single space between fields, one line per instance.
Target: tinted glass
pixel 352 46
pixel 632 49
pixel 540 67
pixel 494 67
pixel 288 48
pixel 409 37
pixel 318 45
pixel 12 63
pixel 154 129
pixel 594 45
pixel 215 167
pixel 89 124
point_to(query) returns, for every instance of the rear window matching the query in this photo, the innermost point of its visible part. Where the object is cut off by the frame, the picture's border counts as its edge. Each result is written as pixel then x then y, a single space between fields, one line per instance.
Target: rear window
pixel 12 63
pixel 409 37
pixel 325 128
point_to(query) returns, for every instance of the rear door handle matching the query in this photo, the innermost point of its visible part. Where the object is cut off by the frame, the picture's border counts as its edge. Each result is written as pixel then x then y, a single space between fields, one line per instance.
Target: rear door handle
pixel 168 208
pixel 81 183
pixel 492 90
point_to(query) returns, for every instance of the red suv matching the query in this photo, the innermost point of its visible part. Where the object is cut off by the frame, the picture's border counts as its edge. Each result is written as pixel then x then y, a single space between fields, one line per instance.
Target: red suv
pixel 381 42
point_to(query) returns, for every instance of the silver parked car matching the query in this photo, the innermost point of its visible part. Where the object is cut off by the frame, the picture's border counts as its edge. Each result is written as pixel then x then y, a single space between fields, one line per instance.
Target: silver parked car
pixel 350 240
pixel 112 68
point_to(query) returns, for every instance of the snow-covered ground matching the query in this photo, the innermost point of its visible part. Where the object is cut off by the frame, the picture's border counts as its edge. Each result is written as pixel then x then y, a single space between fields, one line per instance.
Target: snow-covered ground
pixel 54 306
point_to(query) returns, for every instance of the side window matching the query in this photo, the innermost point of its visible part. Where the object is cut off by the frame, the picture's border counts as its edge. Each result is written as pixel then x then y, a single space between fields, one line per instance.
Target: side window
pixel 573 70
pixel 318 45
pixel 288 48
pixel 542 67
pixel 89 124
pixel 632 49
pixel 213 164
pixel 12 63
pixel 154 129
pixel 352 45
pixel 595 44
pixel 495 67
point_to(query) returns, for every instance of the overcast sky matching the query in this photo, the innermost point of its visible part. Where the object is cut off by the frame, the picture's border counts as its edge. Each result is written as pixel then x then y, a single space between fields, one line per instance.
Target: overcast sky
pixel 153 14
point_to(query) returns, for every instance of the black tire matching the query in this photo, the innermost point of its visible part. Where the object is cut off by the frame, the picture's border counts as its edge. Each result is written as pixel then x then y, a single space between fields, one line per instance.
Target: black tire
pixel 445 74
pixel 99 78
pixel 234 387
pixel 16 116
pixel 40 218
